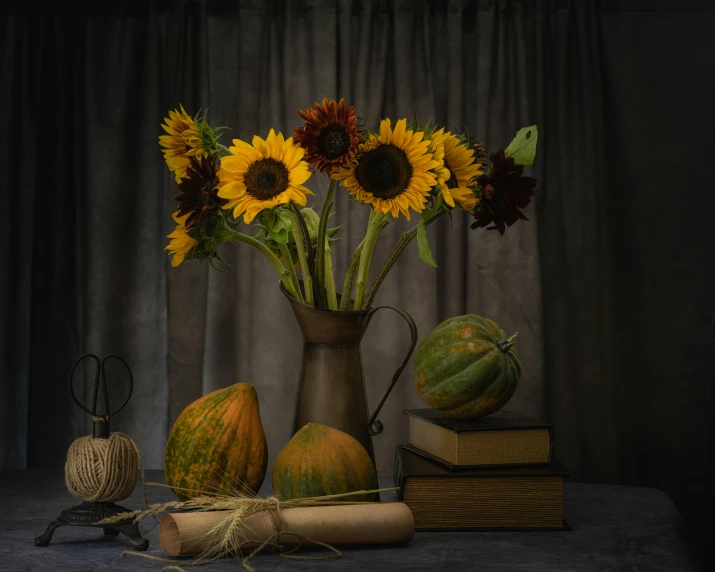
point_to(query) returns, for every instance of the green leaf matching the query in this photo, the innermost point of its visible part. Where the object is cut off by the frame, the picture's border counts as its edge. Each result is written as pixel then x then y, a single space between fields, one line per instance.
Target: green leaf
pixel 423 245
pixel 523 147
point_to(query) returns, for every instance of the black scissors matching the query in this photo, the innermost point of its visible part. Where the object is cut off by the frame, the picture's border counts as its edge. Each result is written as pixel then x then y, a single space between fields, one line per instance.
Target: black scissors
pixel 101 422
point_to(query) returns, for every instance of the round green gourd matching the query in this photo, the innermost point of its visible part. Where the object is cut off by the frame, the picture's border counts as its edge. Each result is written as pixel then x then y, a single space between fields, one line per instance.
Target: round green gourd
pixel 467 367
pixel 320 460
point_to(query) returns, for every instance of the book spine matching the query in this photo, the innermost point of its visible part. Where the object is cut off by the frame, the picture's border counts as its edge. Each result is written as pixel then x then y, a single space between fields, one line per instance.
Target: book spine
pixel 399 474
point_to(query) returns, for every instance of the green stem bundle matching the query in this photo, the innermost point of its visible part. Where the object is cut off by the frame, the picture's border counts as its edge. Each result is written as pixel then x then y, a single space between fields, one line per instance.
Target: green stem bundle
pixel 374 226
pixel 308 248
pixel 351 273
pixel 302 258
pixel 285 253
pixel 350 276
pixel 322 231
pixel 330 279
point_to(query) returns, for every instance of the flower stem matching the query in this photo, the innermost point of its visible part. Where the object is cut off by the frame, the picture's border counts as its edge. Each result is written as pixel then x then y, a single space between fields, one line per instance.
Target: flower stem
pixel 400 247
pixel 374 226
pixel 272 258
pixel 330 279
pixel 351 273
pixel 322 230
pixel 285 253
pixel 350 276
pixel 309 252
pixel 302 258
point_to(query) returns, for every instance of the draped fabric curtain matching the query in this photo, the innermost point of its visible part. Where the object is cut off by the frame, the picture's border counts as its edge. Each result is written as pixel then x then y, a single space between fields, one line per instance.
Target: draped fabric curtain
pixel 98 278
pixel 596 284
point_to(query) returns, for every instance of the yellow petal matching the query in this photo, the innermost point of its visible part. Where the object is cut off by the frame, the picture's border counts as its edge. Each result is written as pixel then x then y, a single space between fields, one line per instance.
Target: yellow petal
pixel 261 145
pixel 299 175
pixel 250 215
pixel 296 196
pixel 231 190
pixel 179 219
pixel 292 156
pixel 447 197
pixel 269 142
pixel 398 135
pixel 385 132
pixel 277 147
pixel 302 189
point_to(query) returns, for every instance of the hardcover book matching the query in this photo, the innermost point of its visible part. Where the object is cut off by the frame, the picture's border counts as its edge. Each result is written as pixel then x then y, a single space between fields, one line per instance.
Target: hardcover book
pixel 501 439
pixel 480 499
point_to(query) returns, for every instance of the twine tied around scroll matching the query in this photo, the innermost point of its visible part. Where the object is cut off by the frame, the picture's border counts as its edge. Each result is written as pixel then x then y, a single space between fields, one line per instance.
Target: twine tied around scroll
pixel 228 536
pixel 279 528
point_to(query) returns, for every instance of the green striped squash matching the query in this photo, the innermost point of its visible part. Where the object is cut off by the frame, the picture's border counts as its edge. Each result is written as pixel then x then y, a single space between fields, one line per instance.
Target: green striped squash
pixel 320 461
pixel 467 367
pixel 218 444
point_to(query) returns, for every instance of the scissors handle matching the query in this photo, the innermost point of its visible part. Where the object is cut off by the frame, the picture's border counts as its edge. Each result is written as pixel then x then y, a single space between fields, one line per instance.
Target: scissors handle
pixel 104 380
pixel 100 372
pixel 96 383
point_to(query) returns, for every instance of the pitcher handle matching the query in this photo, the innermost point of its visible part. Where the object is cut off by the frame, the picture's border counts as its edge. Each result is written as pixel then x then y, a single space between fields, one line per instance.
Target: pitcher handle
pixel 374 427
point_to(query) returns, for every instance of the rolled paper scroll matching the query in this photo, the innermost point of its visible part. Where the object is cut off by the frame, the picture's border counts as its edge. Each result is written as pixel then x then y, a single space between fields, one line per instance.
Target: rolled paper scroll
pixel 186 533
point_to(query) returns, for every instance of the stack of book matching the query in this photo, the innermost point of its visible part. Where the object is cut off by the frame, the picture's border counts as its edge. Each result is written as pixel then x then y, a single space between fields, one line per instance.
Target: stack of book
pixel 491 473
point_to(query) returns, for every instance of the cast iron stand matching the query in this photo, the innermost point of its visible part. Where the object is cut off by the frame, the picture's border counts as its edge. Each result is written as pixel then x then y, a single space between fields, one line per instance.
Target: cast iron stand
pixel 89 514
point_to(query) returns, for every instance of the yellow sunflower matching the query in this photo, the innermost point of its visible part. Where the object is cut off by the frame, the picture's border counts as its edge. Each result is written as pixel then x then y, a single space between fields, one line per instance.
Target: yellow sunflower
pixel 181 243
pixel 394 171
pixel 463 167
pixel 182 142
pixel 263 175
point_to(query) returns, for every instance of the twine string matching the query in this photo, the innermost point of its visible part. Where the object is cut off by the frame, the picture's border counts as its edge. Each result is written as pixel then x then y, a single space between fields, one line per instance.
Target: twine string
pixel 280 529
pixel 273 507
pixel 104 470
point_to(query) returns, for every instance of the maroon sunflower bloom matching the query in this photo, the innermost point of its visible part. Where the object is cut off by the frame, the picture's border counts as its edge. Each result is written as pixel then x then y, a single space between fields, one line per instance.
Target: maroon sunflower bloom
pixel 504 192
pixel 198 196
pixel 330 135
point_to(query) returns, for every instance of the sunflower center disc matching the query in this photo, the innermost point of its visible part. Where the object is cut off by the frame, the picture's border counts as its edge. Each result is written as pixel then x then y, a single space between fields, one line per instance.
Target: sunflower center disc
pixel 333 141
pixel 452 182
pixel 266 179
pixel 385 172
pixel 207 194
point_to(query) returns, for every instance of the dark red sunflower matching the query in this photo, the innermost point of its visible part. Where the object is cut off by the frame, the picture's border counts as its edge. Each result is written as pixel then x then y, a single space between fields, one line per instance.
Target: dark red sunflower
pixel 504 192
pixel 198 196
pixel 330 135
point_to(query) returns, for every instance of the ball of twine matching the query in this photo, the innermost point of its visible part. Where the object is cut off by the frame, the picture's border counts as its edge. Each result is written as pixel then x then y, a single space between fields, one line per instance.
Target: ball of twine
pixel 102 470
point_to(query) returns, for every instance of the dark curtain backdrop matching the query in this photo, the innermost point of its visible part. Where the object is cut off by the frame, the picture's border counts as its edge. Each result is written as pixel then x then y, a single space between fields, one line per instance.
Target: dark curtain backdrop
pixel 610 285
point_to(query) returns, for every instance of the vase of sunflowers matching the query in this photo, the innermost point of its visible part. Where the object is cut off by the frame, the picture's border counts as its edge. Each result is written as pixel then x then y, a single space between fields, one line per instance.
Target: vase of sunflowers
pixel 401 170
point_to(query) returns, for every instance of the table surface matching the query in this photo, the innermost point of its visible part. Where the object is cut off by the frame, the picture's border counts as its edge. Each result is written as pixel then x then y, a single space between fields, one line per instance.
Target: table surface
pixel 613 528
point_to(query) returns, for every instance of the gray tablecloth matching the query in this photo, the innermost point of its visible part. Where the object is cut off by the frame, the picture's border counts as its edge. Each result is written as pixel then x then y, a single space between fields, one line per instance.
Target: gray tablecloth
pixel 613 528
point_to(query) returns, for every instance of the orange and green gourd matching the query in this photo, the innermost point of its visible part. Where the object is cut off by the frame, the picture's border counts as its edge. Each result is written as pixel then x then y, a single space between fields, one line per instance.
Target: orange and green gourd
pixel 467 367
pixel 218 444
pixel 320 461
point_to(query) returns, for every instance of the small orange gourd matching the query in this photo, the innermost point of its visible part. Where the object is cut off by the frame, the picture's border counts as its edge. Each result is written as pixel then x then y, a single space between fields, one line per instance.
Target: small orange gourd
pixel 320 461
